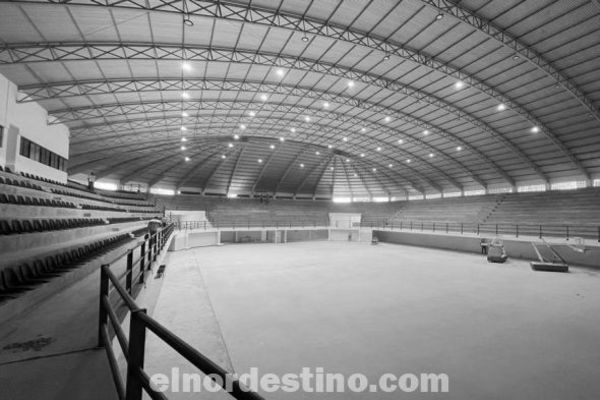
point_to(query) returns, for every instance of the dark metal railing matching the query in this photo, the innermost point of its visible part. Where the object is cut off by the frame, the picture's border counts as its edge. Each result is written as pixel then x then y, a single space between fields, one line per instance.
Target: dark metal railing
pixel 134 347
pixel 588 231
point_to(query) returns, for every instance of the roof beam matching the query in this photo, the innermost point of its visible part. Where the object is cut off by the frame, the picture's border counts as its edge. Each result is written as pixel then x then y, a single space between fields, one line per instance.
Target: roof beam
pixel 319 66
pixel 234 170
pixel 512 43
pixel 366 140
pixel 320 177
pixel 193 169
pixel 264 169
pixel 325 162
pixel 288 169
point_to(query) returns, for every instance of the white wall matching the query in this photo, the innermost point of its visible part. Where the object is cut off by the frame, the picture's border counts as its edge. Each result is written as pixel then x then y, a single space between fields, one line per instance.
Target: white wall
pixel 31 121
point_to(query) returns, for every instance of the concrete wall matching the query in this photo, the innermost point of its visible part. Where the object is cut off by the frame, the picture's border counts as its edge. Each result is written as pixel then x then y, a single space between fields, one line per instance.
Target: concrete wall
pixel 515 248
pixel 306 235
pixel 29 120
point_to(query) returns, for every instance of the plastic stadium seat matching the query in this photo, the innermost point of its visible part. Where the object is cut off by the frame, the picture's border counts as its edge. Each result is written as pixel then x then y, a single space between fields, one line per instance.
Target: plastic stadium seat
pixel 5 228
pixel 16 226
pixel 3 198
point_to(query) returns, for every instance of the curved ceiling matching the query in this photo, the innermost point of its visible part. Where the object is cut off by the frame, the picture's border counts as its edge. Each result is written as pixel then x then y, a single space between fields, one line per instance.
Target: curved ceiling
pixel 315 98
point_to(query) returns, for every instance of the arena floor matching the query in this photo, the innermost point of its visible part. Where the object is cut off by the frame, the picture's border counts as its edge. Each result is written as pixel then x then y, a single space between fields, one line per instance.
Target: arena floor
pixel 497 331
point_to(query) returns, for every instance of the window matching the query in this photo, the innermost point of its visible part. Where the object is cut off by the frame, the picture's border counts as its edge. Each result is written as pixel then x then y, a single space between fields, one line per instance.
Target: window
pixel 433 196
pixel 452 194
pixel 166 192
pixel 531 188
pixel 42 155
pixel 474 192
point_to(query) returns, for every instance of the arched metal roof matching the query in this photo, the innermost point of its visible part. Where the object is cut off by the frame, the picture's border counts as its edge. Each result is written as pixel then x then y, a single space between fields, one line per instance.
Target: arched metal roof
pixel 315 98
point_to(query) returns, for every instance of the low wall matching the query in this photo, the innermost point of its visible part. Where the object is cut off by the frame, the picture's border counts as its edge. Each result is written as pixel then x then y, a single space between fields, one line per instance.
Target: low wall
pixel 306 235
pixel 515 248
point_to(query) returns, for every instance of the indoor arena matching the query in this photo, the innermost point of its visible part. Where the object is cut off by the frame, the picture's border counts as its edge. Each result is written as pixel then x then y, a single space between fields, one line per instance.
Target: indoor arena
pixel 299 199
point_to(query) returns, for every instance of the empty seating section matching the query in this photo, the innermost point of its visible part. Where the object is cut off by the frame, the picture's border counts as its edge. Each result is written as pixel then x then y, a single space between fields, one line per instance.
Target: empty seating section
pixel 48 229
pixel 27 275
pixel 554 211
pixel 460 209
pixel 28 185
pixel 559 213
pixel 15 226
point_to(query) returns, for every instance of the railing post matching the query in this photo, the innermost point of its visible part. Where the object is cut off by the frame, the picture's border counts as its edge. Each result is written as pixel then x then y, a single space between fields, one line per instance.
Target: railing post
pixel 478 229
pixel 143 256
pixel 496 229
pixel 567 232
pixel 135 358
pixel 462 228
pixel 434 226
pixel 540 231
pixel 411 225
pixel 517 230
pixel 446 227
pixel 129 272
pixel 102 314
pixel 421 226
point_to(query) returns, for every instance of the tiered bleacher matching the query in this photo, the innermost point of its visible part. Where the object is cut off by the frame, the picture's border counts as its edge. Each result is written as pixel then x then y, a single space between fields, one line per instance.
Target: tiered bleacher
pixel 82 224
pixel 559 213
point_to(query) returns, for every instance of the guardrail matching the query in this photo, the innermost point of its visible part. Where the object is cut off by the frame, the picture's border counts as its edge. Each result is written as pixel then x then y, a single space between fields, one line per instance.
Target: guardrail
pixel 248 224
pixel 590 231
pixel 133 347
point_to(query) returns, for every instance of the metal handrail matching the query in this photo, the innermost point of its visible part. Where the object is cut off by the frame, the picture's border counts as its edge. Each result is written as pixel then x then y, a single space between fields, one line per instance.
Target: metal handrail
pixel 133 347
pixel 516 230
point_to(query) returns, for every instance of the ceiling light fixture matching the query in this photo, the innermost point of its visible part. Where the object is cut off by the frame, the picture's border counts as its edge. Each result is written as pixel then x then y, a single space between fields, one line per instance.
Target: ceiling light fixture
pixel 223 156
pixel 307 119
pixel 390 165
pixel 329 146
pixel 305 38
pixel 293 130
pixel 430 155
pixel 345 139
pixel 242 127
pixel 400 141
pixel 252 113
pixel 325 105
pixel 362 154
pixel 183 128
pixel 183 148
pixel 459 85
pixel 439 16
pixel 272 146
pixel 458 148
pixel 535 129
pixel 187 21
pixel 236 137
pixel 301 165
pixel 408 161
pixel 185 95
pixel 281 139
pixel 501 107
pixel 350 84
pixel 186 66
pixel 187 159
pixel 387 119
pixel 280 72
pixel 318 153
pixel 264 97
pixel 183 139
pixel 374 169
pixel 379 149
pixel 185 114
pixel 426 132
pixel 230 145
pixel 260 160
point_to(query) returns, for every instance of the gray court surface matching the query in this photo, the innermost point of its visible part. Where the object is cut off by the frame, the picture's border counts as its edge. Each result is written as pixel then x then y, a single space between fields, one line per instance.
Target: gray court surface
pixel 497 331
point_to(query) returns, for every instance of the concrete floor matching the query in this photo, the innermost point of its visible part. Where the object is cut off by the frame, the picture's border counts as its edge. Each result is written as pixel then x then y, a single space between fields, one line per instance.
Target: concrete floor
pixel 498 331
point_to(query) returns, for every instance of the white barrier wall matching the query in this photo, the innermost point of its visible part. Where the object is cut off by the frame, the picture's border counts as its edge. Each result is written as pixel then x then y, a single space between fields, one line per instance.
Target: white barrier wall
pixel 344 220
pixel 29 120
